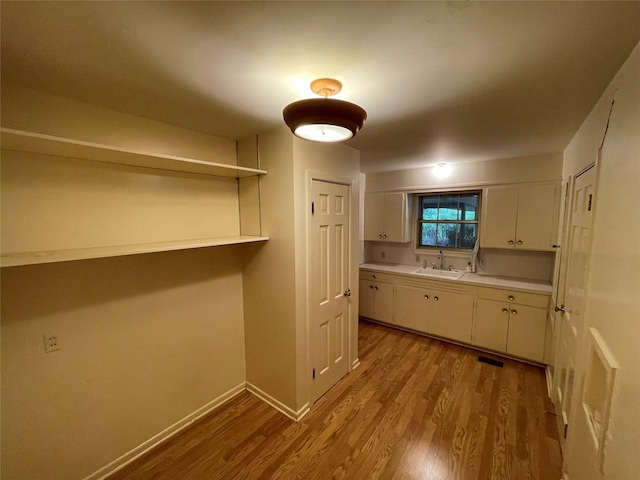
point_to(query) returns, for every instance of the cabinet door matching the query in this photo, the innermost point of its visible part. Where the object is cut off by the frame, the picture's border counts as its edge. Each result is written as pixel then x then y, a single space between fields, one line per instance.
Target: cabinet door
pixel 499 217
pixel 451 316
pixel 527 327
pixel 367 299
pixel 384 302
pixel 411 308
pixel 373 216
pixel 491 325
pixel 536 217
pixel 395 218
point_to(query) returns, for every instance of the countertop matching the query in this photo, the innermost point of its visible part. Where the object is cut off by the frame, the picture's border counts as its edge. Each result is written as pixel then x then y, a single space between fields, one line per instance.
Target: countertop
pixel 482 280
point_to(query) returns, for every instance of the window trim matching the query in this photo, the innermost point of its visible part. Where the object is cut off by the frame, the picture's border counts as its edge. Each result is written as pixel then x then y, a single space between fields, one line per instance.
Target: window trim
pixel 422 249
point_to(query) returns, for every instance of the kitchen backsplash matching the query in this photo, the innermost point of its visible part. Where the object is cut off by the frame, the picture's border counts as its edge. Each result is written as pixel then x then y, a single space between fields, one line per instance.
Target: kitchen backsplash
pixel 510 263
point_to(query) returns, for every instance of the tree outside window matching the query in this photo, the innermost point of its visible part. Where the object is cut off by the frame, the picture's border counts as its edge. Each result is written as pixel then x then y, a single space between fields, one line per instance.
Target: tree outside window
pixel 448 220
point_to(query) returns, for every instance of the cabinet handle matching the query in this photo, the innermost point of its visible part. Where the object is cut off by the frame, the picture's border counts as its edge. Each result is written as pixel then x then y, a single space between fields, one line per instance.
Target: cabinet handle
pixel 371 286
pixel 514 312
pixel 510 242
pixel 384 236
pixel 380 236
pixel 426 297
pixel 373 276
pixel 519 242
pixel 505 310
pixel 511 298
pixel 375 288
pixel 435 298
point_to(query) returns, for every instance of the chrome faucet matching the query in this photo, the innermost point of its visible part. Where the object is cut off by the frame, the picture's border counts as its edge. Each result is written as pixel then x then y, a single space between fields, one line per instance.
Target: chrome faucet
pixel 424 263
pixel 441 258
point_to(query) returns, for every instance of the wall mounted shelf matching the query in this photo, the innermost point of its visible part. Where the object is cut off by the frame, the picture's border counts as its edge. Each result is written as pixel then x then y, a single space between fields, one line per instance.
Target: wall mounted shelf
pixel 53 256
pixel 37 143
pixel 23 141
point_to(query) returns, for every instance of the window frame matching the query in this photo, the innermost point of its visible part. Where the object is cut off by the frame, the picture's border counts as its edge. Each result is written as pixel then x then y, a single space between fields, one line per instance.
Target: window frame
pixel 419 248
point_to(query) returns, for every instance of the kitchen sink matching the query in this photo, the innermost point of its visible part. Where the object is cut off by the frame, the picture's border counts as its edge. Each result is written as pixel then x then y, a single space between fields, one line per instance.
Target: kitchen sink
pixel 436 273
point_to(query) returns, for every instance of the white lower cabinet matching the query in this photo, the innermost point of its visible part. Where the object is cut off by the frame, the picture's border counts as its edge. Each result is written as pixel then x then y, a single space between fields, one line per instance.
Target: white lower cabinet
pixel 511 322
pixel 451 316
pixel 527 328
pixel 376 298
pixel 427 307
pixel 491 325
pixel 504 321
pixel 411 307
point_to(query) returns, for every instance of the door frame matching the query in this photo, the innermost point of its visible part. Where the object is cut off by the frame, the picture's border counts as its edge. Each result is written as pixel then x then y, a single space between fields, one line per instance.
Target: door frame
pixel 350 183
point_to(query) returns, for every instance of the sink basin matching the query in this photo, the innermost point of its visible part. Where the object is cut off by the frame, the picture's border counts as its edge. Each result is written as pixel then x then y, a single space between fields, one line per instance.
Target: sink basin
pixel 432 272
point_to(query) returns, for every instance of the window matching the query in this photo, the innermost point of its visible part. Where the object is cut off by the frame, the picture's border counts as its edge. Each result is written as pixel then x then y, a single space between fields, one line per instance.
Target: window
pixel 448 220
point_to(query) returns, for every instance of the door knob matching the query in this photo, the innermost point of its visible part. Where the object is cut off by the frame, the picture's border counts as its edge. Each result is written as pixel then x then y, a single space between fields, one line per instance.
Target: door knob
pixel 347 292
pixel 561 308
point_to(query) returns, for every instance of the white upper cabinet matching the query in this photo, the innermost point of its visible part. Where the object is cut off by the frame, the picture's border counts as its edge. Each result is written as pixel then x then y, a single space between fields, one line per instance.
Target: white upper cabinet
pixel 522 217
pixel 387 217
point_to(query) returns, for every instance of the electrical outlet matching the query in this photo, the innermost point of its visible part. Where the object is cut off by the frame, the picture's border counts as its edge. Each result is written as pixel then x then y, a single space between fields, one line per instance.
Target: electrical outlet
pixel 51 343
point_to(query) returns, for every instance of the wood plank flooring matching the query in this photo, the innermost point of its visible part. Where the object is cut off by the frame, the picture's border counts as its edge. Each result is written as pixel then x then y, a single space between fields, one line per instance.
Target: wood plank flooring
pixel 416 408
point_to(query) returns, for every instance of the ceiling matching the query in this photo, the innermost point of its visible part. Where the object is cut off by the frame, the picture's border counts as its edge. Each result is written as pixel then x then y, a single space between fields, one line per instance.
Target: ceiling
pixel 441 81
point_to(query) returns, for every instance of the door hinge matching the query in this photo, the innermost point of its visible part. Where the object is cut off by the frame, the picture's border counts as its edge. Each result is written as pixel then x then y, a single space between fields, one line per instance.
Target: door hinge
pixel 314 373
pixel 566 430
pixel 313 208
pixel 590 200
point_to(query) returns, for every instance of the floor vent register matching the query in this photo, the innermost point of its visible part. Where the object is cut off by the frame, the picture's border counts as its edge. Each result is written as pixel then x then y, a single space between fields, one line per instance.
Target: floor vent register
pixel 490 361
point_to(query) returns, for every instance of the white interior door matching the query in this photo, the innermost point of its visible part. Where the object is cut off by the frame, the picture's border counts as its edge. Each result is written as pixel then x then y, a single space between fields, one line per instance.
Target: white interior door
pixel 572 319
pixel 330 290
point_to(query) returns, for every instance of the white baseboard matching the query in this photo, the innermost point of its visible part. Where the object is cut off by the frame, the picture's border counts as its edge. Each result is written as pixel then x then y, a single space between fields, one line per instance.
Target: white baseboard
pixel 167 433
pixel 281 407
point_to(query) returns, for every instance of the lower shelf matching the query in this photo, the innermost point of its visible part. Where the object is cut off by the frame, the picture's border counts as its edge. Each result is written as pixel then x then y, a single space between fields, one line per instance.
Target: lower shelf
pixel 52 256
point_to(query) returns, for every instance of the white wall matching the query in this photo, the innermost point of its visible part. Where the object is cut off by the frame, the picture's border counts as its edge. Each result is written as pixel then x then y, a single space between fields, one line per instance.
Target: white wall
pixel 275 276
pixel 476 175
pixel 149 342
pixel 537 168
pixel 613 292
pixel 26 109
pixel 269 281
pixel 329 161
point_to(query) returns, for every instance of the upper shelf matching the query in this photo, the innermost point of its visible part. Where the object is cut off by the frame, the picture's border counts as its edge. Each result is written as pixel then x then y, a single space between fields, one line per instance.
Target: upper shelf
pixel 23 141
pixel 66 255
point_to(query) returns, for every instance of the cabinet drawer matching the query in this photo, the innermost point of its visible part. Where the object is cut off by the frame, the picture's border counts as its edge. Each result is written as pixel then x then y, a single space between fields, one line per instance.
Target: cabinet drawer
pixel 511 296
pixel 377 276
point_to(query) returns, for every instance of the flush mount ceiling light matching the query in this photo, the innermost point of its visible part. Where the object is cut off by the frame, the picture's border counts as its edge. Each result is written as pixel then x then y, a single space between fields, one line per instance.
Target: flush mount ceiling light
pixel 324 120
pixel 442 170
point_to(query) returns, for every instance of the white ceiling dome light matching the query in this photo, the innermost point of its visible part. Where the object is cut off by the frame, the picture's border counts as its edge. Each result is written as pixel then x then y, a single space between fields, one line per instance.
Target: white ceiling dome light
pixel 442 170
pixel 324 120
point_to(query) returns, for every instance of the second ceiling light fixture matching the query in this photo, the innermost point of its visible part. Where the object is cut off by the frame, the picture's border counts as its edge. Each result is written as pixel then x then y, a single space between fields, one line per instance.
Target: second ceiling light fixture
pixel 322 119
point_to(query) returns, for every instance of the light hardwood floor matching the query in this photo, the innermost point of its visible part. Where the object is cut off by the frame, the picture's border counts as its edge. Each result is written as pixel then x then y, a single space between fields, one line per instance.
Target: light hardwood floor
pixel 416 408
